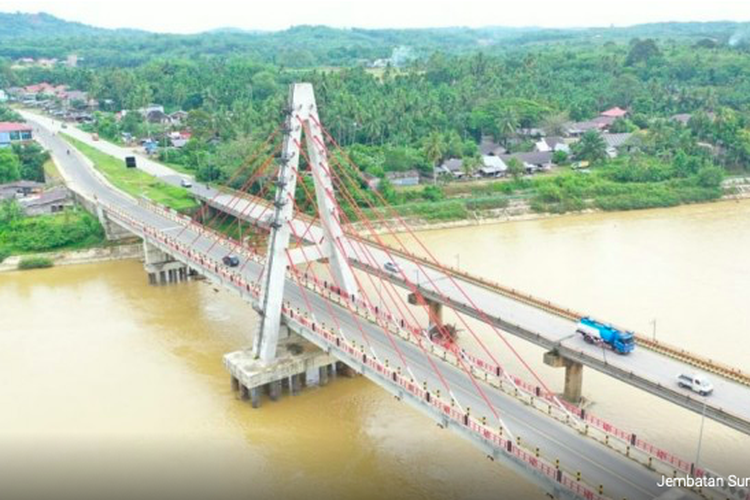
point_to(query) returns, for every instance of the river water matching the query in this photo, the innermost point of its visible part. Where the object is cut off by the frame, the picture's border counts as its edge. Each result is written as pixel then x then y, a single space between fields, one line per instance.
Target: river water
pixel 109 384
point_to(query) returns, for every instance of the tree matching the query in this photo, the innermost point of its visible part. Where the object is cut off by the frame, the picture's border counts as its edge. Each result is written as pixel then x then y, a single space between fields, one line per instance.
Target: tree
pixel 506 124
pixel 470 164
pixel 710 176
pixel 434 149
pixel 591 147
pixel 10 211
pixel 555 124
pixel 515 168
pixel 641 51
pixel 10 166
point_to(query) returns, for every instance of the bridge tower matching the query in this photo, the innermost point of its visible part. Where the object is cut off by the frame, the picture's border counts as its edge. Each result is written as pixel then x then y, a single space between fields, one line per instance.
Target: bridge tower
pixel 301 116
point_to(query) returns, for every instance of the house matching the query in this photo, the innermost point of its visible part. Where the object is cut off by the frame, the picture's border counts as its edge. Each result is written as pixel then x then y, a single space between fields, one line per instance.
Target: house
pixel 614 113
pixel 156 116
pixel 547 144
pixel 11 132
pixel 149 109
pixel 19 189
pixel 178 117
pixel 48 202
pixel 492 166
pixel 452 167
pixel 407 178
pixel 488 146
pixel 532 162
pixel 617 143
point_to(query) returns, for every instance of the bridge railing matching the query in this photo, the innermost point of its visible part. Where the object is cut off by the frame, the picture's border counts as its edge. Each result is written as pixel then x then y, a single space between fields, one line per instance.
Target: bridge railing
pixel 623 441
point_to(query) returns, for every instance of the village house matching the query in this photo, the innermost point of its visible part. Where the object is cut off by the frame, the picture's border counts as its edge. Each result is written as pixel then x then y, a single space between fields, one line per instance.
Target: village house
pixel 407 178
pixel 48 202
pixel 547 144
pixel 452 167
pixel 492 166
pixel 617 143
pixel 19 189
pixel 12 132
pixel 489 147
pixel 533 162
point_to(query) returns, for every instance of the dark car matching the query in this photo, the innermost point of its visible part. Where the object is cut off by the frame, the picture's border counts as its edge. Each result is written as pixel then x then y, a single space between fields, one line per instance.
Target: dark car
pixel 231 260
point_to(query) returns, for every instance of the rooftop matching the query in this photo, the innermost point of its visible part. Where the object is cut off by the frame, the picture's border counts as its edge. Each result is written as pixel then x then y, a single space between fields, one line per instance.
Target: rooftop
pixel 14 127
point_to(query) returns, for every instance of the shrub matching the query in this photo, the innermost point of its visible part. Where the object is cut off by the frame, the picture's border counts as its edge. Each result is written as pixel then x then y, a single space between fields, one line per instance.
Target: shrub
pixel 4 254
pixel 35 263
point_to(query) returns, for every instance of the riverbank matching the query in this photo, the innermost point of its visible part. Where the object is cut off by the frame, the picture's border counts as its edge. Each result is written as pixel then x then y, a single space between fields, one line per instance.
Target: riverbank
pixel 86 256
pixel 737 189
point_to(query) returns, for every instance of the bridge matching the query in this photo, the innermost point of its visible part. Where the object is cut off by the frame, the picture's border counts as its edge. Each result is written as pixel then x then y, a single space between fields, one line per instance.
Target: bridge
pixel 570 453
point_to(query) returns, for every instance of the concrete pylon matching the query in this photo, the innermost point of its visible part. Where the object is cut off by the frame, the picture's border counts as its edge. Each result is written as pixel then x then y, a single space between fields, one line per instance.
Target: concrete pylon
pixel 573 375
pixel 302 115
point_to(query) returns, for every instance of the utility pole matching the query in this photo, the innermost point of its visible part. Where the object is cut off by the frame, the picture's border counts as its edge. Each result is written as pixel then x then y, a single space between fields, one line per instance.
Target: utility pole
pixel 700 436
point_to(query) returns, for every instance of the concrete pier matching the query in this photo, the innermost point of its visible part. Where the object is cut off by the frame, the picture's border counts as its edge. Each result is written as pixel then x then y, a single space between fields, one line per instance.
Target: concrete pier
pixel 434 309
pixel 573 375
pixel 297 363
pixel 161 267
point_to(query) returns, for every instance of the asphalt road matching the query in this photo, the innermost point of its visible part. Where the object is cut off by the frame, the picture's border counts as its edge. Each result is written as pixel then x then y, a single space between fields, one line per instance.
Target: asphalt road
pixel 598 464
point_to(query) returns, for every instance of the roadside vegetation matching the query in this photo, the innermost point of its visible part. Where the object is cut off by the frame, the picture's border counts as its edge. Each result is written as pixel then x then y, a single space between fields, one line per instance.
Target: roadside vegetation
pixel 35 263
pixel 69 230
pixel 134 181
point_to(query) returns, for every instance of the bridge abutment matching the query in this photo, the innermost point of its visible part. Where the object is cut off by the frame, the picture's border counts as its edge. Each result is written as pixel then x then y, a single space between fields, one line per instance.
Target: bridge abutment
pixel 573 375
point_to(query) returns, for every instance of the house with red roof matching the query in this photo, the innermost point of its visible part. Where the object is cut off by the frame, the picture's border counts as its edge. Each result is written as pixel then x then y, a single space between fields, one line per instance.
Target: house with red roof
pixel 11 132
pixel 614 113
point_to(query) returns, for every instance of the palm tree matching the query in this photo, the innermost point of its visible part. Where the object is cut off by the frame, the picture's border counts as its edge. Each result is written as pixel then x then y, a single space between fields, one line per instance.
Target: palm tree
pixel 507 123
pixel 434 150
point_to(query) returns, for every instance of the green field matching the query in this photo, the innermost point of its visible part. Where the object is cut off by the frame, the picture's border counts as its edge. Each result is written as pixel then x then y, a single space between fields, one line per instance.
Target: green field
pixel 134 181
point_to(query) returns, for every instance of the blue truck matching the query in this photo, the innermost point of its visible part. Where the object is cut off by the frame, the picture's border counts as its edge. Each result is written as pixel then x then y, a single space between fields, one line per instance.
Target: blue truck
pixel 595 332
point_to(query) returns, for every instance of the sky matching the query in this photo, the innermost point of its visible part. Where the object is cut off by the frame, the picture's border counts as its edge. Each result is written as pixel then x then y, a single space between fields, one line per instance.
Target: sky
pixel 190 16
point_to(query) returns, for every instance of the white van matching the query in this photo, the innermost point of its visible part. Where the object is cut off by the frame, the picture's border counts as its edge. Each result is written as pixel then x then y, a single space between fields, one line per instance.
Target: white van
pixel 696 383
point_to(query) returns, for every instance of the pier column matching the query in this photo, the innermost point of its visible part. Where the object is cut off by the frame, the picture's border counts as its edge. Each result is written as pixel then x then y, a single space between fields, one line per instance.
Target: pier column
pixel 323 375
pixel 274 390
pixel 435 309
pixel 161 267
pixel 573 375
pixel 255 397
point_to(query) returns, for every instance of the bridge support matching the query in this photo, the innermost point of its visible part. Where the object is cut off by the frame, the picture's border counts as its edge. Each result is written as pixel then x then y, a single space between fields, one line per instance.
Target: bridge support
pixel 434 309
pixel 302 115
pixel 161 267
pixel 299 363
pixel 573 375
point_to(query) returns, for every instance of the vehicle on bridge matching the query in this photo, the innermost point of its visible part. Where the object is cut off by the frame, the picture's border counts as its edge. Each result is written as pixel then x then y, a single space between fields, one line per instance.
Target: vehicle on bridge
pixel 392 267
pixel 231 260
pixel 696 383
pixel 595 332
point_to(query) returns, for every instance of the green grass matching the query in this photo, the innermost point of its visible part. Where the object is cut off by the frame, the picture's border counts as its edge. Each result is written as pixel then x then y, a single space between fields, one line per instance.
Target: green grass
pixel 51 173
pixel 135 182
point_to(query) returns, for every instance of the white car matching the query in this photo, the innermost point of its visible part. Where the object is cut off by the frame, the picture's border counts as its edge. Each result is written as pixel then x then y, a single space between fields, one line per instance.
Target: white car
pixel 186 183
pixel 696 383
pixel 391 267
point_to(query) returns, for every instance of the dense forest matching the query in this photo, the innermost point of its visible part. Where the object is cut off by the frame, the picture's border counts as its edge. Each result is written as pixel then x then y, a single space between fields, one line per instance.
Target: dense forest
pixel 449 88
